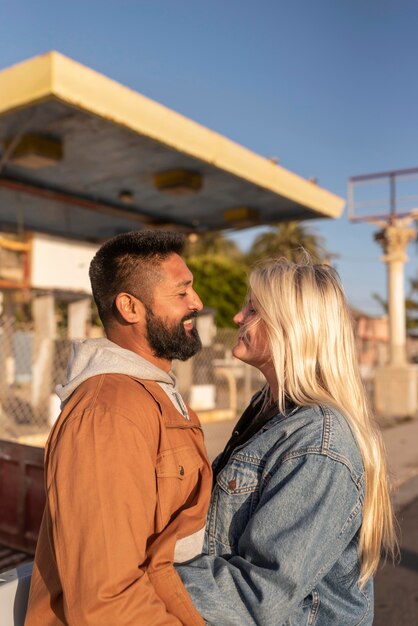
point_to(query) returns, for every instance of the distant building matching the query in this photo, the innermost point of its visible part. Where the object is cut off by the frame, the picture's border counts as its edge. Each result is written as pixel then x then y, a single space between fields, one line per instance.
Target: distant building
pixel 372 340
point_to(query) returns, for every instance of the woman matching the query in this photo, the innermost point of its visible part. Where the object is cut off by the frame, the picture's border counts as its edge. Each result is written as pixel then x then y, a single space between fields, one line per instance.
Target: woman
pixel 300 508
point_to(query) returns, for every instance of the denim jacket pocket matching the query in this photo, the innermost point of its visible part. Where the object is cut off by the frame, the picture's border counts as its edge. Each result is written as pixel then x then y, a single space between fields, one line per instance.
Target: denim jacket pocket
pixel 236 494
pixel 177 473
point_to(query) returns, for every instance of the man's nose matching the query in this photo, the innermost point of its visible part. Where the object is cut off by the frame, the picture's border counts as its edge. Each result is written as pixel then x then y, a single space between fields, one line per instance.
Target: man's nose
pixel 196 302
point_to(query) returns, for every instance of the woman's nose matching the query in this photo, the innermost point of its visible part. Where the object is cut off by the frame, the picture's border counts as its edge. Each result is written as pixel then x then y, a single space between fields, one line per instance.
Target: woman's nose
pixel 238 318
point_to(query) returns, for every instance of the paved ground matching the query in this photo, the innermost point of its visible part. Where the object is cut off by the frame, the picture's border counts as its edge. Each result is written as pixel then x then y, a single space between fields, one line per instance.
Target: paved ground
pixel 216 436
pixel 401 443
pixel 396 587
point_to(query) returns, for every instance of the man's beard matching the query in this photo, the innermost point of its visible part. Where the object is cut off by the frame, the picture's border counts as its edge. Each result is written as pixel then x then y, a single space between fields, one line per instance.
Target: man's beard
pixel 171 342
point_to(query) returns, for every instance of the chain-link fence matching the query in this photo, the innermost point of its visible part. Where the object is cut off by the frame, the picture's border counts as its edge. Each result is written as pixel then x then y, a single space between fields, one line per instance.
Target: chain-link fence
pixel 35 349
pixel 218 386
pixel 31 370
pixel 215 384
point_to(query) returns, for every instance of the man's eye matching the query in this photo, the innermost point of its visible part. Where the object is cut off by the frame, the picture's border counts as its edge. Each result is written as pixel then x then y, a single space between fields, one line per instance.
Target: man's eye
pixel 183 294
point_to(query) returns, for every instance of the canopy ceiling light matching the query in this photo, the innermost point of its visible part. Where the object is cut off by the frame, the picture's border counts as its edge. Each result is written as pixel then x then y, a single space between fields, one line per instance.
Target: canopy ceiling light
pixel 178 182
pixel 34 151
pixel 126 196
pixel 242 217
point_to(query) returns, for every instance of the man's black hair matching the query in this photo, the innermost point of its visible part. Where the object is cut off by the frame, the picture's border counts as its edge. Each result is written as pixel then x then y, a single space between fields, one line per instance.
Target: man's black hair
pixel 130 262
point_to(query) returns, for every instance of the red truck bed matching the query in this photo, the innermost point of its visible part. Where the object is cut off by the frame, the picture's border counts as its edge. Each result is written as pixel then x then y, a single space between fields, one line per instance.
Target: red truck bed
pixel 22 500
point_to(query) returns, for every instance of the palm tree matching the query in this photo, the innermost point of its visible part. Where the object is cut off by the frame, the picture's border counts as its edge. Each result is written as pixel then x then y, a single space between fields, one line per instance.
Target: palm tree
pixel 219 271
pixel 288 239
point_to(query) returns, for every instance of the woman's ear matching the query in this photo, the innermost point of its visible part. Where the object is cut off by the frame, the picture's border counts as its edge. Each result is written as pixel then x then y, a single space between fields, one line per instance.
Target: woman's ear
pixel 130 308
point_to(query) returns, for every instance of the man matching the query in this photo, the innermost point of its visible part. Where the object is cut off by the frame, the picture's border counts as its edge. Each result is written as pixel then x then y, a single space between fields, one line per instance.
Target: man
pixel 126 474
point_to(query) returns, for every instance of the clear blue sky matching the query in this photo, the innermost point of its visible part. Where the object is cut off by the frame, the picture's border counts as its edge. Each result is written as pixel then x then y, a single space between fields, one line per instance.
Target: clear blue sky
pixel 327 86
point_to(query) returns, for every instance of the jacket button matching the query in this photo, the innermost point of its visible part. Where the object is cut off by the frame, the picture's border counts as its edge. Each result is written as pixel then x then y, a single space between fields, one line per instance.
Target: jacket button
pixel 232 484
pixel 181 470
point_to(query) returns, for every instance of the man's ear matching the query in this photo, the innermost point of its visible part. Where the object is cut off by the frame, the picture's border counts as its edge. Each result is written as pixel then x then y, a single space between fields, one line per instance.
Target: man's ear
pixel 130 308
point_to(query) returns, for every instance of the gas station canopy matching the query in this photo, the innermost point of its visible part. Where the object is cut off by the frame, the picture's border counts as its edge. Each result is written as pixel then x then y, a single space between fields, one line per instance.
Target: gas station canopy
pixel 84 157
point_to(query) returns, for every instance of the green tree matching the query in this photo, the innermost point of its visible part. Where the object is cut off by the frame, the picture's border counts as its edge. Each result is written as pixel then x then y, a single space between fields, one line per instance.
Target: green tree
pixel 221 283
pixel 411 305
pixel 287 239
pixel 383 303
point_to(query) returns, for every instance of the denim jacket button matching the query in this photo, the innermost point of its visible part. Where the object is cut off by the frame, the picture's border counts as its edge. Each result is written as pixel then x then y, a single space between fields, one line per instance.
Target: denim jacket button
pixel 232 483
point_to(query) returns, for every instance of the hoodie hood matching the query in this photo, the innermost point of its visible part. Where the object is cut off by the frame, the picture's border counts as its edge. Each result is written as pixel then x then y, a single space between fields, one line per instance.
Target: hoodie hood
pixel 92 357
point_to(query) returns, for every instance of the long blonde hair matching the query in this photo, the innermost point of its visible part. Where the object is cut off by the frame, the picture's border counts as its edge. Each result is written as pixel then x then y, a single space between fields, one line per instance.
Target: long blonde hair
pixel 308 324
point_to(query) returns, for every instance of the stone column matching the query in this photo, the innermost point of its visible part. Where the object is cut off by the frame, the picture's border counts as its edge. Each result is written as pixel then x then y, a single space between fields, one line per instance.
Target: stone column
pixel 6 358
pixel 43 312
pixel 79 315
pixel 394 239
pixel 396 383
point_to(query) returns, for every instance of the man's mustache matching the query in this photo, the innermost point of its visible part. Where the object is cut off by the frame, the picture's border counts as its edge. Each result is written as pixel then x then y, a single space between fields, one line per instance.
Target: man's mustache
pixel 190 316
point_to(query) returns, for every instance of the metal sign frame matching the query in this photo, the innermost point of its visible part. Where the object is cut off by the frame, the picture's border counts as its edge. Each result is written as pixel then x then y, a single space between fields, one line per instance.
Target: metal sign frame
pixel 392 177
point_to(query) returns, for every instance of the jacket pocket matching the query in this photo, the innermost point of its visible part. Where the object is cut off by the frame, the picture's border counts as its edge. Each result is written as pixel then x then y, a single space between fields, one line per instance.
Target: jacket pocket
pixel 233 501
pixel 178 482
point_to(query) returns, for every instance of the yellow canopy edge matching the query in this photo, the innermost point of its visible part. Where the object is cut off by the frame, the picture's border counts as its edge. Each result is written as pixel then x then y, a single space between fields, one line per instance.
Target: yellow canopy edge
pixel 52 75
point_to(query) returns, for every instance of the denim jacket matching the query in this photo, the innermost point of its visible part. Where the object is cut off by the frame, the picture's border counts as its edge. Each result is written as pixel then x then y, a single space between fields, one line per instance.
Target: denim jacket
pixel 282 529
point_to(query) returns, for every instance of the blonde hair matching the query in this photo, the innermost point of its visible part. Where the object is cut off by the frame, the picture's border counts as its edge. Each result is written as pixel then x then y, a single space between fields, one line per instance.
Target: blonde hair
pixel 308 324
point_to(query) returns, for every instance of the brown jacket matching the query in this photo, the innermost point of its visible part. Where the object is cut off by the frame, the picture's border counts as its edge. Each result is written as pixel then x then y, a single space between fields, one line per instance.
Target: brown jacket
pixel 126 476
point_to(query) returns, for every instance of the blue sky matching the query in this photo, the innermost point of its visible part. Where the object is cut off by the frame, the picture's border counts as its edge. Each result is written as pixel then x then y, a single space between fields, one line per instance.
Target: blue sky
pixel 329 87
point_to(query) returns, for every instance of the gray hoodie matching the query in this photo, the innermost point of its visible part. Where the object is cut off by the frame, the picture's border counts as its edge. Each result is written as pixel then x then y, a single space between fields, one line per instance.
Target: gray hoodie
pixel 91 357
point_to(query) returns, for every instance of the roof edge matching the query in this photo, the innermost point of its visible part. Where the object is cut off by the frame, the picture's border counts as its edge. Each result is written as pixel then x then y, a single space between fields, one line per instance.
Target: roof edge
pixel 27 81
pixel 55 75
